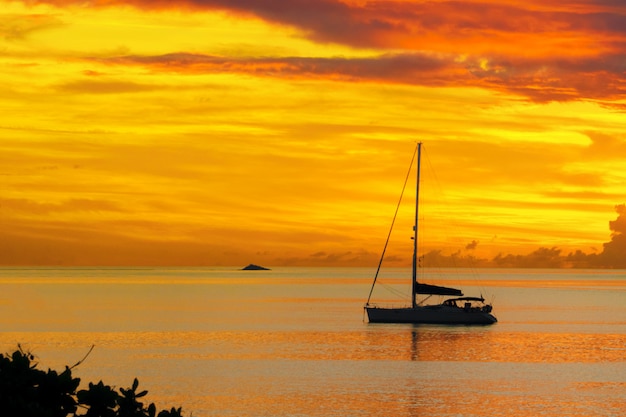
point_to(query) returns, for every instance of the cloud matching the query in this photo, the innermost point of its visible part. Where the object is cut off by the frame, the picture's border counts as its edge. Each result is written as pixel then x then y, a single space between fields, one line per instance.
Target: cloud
pixel 16 27
pixel 27 245
pixel 472 245
pixel 540 258
pixel 619 226
pixel 537 80
pixel 24 206
pixel 569 52
pixel 604 146
pixel 407 68
pixel 104 87
pixel 614 253
pixel 285 117
pixel 355 258
pixel 554 79
pixel 420 25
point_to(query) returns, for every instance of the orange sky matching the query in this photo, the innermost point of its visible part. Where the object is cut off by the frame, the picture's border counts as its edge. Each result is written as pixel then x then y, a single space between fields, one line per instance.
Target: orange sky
pixel 227 132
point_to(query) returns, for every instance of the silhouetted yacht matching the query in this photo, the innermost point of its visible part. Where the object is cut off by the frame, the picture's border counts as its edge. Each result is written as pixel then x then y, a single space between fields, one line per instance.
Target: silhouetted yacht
pixel 458 310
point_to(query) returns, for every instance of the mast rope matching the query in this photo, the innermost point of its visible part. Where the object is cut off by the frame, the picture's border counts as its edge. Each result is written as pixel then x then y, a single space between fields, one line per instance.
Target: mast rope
pixel 382 256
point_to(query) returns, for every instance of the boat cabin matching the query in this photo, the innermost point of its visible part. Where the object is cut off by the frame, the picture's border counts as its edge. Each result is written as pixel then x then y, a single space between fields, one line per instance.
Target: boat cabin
pixel 468 303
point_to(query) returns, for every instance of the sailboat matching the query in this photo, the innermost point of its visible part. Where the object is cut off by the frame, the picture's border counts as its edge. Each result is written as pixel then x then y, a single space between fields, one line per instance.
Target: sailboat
pixel 455 310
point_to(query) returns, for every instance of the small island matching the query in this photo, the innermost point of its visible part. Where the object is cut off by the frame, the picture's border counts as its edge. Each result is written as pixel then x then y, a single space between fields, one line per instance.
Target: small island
pixel 253 267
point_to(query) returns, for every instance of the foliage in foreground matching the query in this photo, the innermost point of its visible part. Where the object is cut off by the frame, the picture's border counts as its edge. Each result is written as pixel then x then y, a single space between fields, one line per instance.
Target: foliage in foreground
pixel 26 391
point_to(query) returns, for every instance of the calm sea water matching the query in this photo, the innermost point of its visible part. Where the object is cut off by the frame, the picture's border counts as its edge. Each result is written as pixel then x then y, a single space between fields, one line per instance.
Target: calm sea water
pixel 292 341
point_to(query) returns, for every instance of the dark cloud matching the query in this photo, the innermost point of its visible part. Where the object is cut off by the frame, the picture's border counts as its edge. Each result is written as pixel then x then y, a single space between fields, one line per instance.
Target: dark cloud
pixel 539 81
pixel 347 258
pixel 613 255
pixel 406 67
pixel 540 258
pixel 555 79
pixel 472 245
pixel 619 226
pixel 344 258
pixel 560 52
pixel 402 23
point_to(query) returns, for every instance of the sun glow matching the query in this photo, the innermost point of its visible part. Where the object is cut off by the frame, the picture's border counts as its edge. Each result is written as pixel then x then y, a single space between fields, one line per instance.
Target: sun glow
pixel 149 133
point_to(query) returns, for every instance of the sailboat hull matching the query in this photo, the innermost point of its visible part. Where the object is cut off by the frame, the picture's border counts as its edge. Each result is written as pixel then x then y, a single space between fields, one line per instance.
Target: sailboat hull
pixel 436 314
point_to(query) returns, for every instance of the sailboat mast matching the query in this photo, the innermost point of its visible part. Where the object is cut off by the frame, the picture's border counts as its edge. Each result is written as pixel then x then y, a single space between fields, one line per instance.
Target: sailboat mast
pixel 417 195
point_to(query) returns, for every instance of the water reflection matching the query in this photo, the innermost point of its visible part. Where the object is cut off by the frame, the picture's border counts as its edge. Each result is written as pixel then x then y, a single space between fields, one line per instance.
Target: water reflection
pixel 431 343
pixel 230 344
pixel 378 369
pixel 372 343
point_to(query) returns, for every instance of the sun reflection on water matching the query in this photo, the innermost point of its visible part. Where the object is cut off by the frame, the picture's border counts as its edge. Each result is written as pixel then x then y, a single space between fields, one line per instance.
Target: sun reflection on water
pixel 241 345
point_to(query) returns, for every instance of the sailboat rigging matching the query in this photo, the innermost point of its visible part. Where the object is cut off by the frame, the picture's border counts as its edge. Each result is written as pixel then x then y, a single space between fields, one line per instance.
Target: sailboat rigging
pixel 459 310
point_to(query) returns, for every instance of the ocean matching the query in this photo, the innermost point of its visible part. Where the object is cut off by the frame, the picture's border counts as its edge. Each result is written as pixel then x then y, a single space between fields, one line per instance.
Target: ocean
pixel 295 341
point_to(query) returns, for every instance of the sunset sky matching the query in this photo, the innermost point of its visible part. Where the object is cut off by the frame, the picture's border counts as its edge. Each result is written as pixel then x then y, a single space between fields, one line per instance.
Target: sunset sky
pixel 224 132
